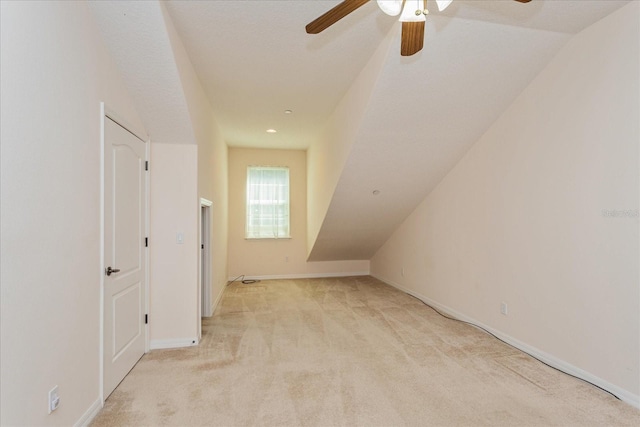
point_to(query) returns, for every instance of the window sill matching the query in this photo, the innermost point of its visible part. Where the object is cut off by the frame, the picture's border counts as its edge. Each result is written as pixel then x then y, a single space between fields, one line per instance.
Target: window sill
pixel 267 238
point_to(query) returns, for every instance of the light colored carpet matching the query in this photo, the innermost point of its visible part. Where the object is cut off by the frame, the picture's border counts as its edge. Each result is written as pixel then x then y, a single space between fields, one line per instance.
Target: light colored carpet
pixel 348 352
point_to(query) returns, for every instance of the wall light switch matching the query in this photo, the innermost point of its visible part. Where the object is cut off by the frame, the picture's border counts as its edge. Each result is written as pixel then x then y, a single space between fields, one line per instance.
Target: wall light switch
pixel 180 238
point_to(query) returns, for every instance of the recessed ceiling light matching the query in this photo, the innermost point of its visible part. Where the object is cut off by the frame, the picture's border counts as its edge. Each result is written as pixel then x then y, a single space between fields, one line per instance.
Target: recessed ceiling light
pixel 376 192
pixel 271 131
pixel 288 111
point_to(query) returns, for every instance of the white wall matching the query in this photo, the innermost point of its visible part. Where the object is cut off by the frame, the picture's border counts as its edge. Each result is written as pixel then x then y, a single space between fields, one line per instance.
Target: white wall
pixel 212 159
pixel 281 257
pixel 520 218
pixel 54 72
pixel 173 266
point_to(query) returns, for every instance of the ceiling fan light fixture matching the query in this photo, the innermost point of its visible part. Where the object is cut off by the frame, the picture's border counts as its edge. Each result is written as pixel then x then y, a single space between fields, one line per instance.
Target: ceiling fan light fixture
pixel 390 7
pixel 413 17
pixel 414 11
pixel 443 4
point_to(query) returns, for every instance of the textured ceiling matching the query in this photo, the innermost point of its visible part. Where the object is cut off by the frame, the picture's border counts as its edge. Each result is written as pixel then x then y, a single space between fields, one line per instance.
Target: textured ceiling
pixel 255 61
pixel 135 33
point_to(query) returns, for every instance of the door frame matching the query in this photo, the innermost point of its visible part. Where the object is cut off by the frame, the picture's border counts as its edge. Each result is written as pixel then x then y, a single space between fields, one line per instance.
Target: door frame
pixel 204 228
pixel 108 113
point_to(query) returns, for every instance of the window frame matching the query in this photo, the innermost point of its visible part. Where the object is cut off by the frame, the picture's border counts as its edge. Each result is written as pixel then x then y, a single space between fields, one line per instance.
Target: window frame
pixel 252 234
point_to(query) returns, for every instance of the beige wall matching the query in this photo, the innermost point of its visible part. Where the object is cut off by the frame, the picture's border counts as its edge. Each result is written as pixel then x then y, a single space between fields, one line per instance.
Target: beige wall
pixel 212 160
pixel 173 267
pixel 54 71
pixel 268 257
pixel 520 218
pixel 213 185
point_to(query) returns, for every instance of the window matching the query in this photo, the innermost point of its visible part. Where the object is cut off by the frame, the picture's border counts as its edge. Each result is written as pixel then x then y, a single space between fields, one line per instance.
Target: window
pixel 267 202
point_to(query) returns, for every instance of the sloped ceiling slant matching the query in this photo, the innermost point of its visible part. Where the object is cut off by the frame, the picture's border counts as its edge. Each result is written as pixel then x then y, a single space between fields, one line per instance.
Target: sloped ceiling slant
pixel 427 111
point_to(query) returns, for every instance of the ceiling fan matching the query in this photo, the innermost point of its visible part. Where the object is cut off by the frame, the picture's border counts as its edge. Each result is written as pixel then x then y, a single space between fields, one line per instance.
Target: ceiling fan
pixel 413 14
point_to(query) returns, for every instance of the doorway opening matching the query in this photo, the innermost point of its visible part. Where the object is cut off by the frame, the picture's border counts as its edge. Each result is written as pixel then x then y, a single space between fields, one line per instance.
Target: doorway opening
pixel 205 258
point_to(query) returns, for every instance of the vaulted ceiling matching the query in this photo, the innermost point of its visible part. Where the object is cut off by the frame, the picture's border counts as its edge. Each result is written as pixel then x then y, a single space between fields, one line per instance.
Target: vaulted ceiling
pixel 255 61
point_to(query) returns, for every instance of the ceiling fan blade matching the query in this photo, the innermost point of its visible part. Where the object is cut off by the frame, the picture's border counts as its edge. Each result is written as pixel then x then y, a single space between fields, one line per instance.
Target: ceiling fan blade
pixel 412 38
pixel 443 4
pixel 334 15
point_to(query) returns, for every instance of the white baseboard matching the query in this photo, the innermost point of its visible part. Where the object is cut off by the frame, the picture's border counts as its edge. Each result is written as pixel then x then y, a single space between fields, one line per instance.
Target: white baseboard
pixel 90 414
pixel 624 395
pixel 173 343
pixel 217 301
pixel 303 276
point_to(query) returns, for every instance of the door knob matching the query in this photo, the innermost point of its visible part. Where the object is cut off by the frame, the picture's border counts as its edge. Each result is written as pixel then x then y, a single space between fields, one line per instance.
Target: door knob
pixel 110 270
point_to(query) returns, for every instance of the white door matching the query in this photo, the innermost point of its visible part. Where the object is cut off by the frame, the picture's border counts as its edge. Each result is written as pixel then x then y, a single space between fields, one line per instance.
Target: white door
pixel 124 330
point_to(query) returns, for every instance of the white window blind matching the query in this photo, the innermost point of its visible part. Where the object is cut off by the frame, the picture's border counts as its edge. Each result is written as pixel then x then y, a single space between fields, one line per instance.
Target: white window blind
pixel 267 202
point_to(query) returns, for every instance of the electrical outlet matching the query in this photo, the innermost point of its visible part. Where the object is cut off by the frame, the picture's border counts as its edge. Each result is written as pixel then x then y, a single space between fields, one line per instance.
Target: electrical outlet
pixel 504 309
pixel 54 399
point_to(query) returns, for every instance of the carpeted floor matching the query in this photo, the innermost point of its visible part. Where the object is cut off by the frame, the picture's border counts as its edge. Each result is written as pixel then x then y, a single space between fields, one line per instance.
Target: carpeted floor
pixel 348 352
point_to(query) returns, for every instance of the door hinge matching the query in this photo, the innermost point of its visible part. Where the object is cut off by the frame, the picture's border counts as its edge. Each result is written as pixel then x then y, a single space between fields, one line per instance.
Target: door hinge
pixel 146 165
pixel 146 319
pixel 146 242
pixel 202 246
